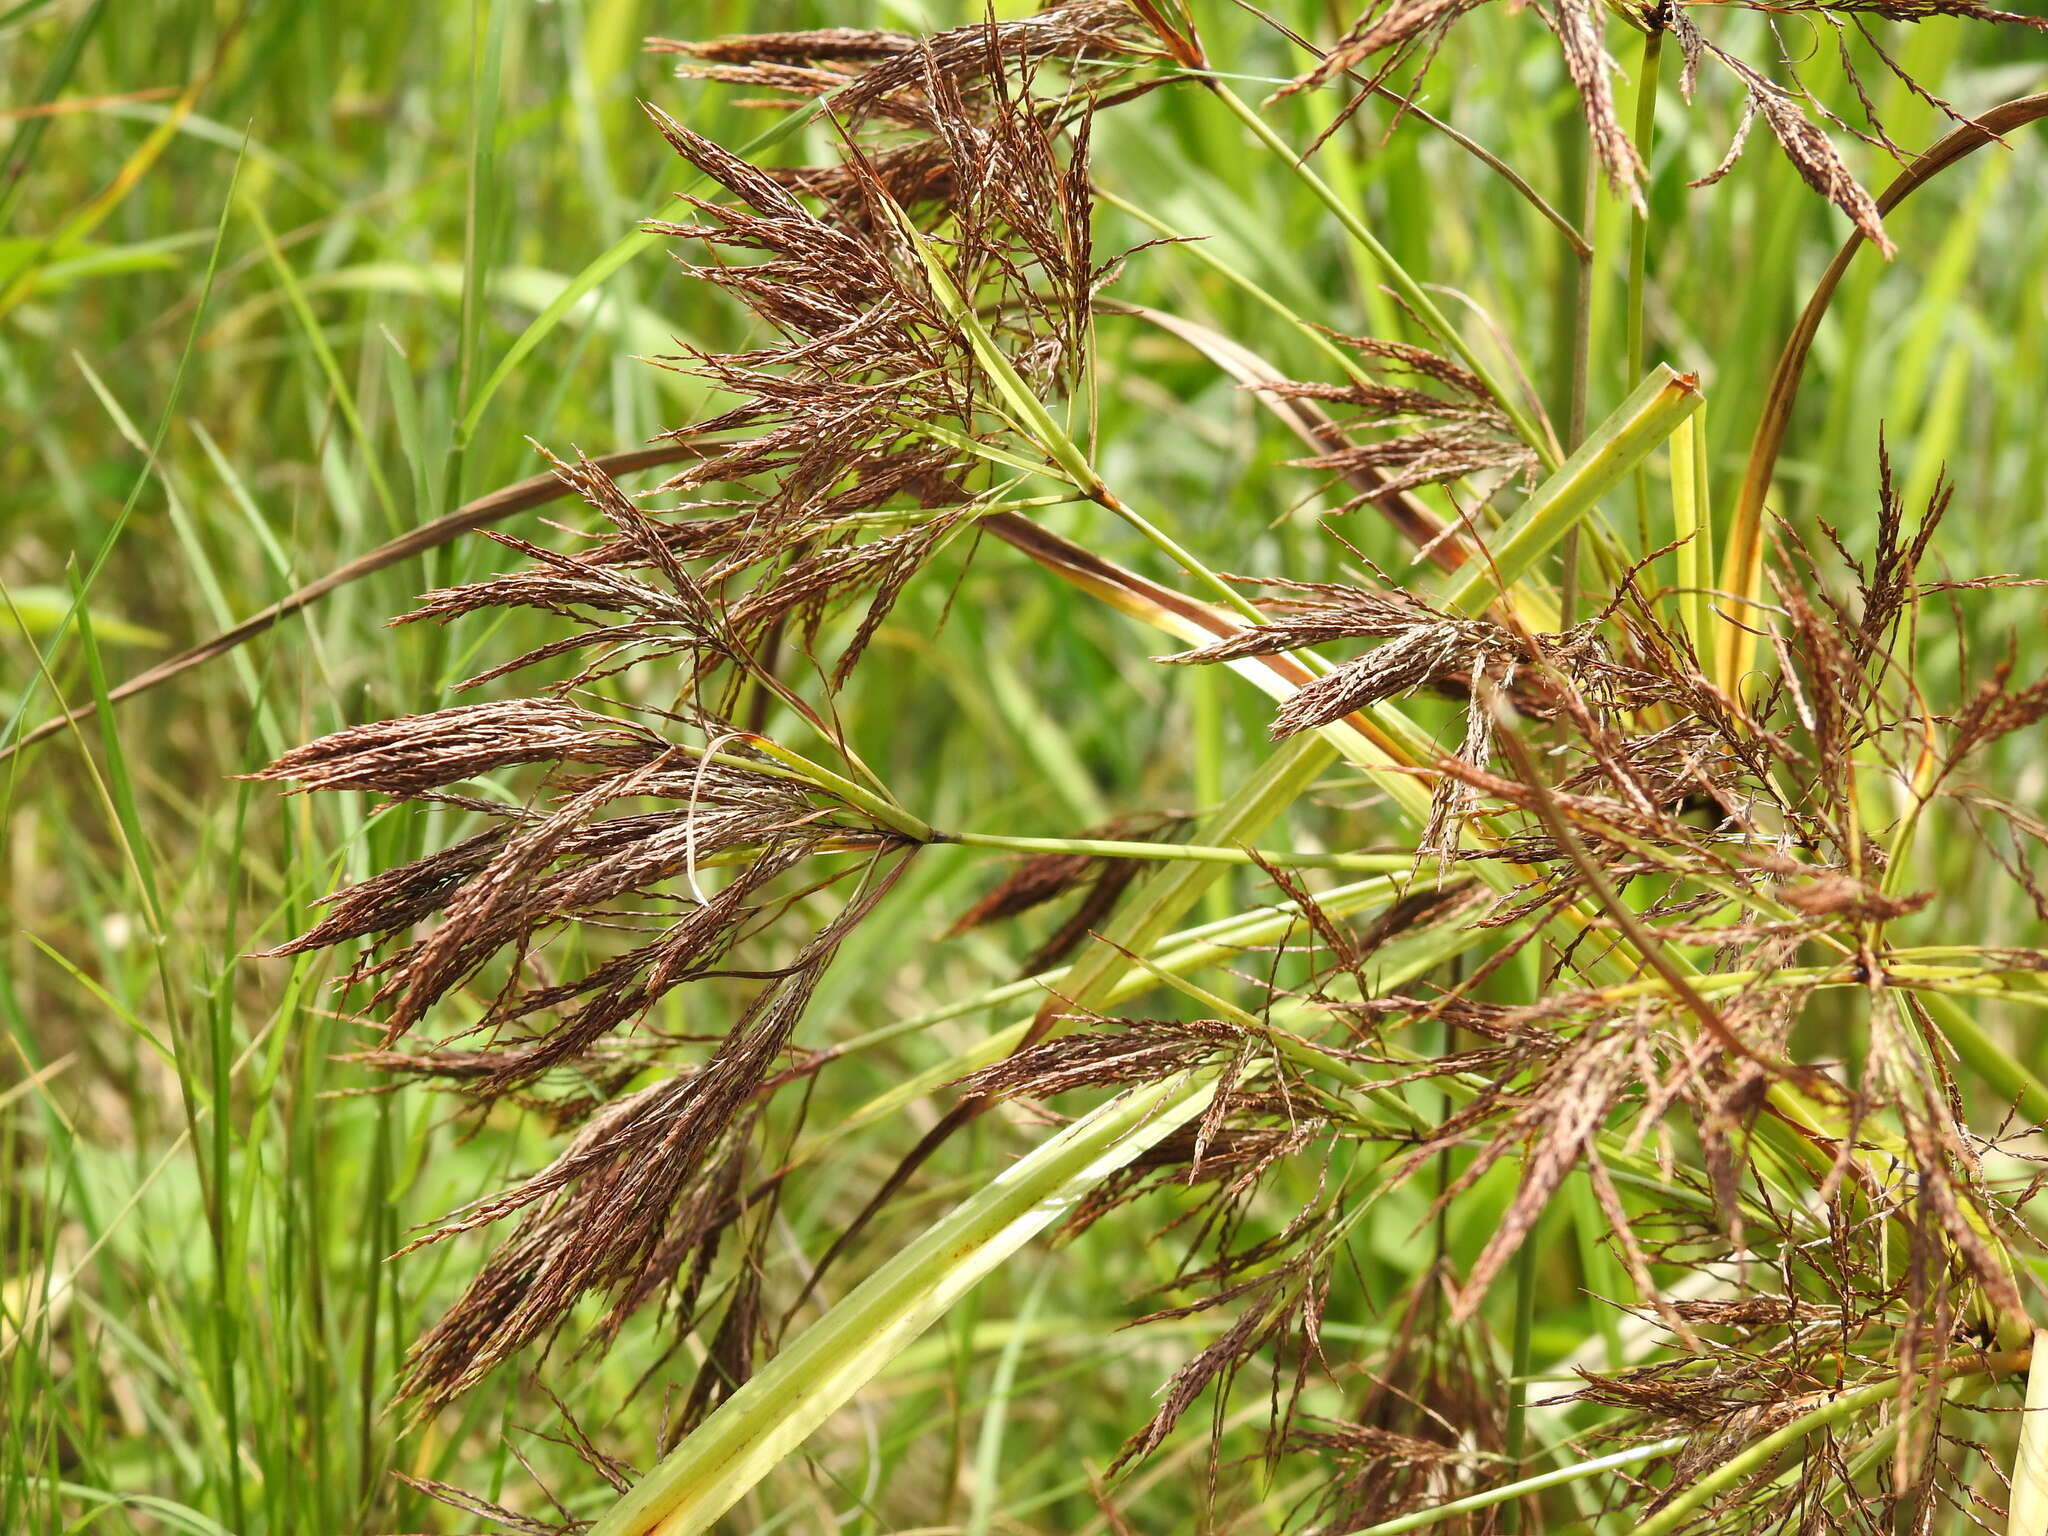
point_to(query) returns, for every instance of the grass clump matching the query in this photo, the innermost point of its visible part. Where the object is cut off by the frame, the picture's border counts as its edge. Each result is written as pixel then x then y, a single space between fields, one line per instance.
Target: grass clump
pixel 1530 1044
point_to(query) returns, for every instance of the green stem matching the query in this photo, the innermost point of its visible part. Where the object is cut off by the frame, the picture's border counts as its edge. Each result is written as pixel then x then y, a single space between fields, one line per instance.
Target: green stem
pixel 1578 351
pixel 2028 1508
pixel 1692 517
pixel 1104 848
pixel 1438 1513
pixel 884 810
pixel 1037 424
pixel 1205 701
pixel 1185 558
pixel 1639 252
pixel 1755 1457
pixel 1518 1368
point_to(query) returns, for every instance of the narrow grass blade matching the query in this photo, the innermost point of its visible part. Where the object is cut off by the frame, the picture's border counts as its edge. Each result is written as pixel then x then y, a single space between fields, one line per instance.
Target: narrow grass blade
pixel 172 1514
pixel 622 251
pixel 1421 1519
pixel 2029 1512
pixel 479 223
pixel 988 1451
pixel 775 1412
pixel 330 365
pixel 631 327
pixel 63 60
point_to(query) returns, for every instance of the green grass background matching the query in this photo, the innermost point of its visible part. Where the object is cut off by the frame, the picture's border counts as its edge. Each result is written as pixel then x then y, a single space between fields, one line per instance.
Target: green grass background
pixel 242 343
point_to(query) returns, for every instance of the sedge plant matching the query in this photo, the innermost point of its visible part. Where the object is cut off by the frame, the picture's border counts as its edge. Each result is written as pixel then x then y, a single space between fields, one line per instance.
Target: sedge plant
pixel 1612 923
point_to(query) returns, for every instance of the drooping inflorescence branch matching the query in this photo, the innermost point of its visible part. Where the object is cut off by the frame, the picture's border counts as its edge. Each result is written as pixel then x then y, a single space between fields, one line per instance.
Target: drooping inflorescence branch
pixel 1616 904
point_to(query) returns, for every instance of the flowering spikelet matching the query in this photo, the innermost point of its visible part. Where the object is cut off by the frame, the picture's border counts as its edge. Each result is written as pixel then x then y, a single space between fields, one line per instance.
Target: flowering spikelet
pixel 1393 34
pixel 1610 963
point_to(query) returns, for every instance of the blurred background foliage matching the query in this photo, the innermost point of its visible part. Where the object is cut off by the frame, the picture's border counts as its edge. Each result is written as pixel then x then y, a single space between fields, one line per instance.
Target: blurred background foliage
pixel 259 268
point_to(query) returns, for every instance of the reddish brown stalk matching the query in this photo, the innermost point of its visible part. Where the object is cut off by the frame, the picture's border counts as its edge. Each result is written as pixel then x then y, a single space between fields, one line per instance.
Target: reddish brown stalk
pixel 507 501
pixel 1745 550
pixel 1645 944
